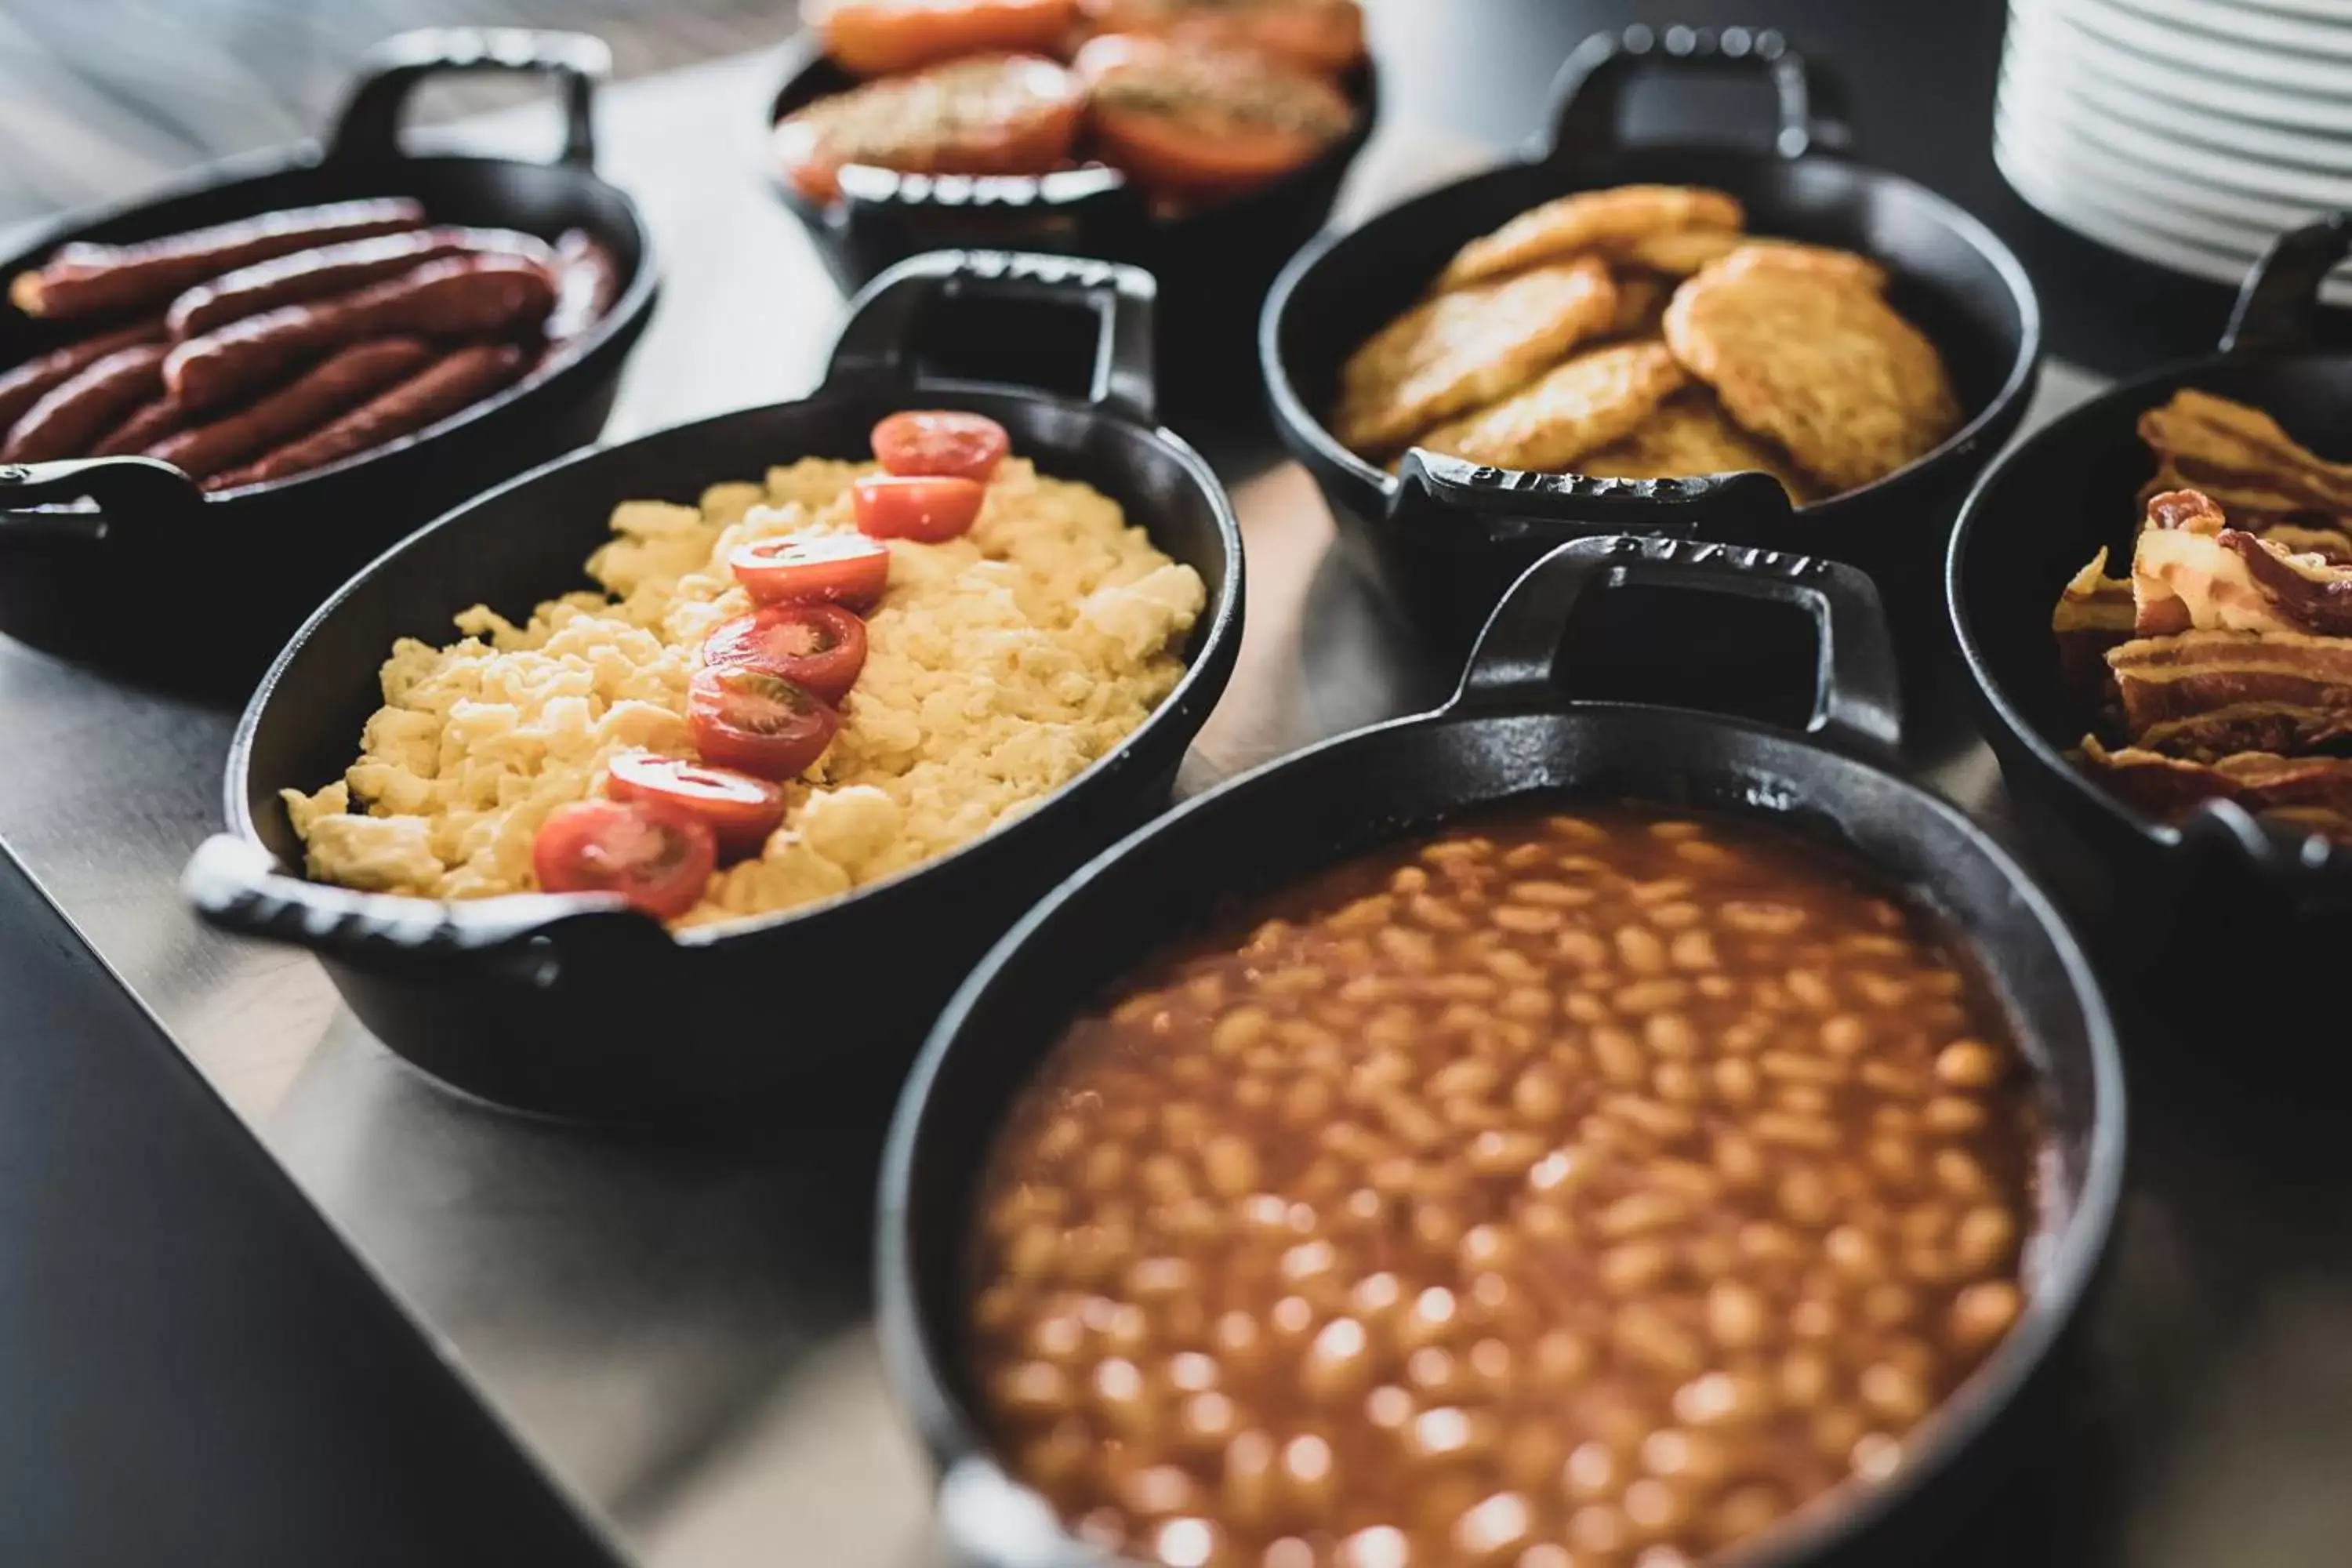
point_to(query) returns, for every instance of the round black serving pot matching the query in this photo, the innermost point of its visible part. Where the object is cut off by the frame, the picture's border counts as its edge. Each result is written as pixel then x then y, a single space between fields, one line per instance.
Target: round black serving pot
pixel 1442 559
pixel 2150 890
pixel 163 581
pixel 1213 266
pixel 574 1006
pixel 1511 734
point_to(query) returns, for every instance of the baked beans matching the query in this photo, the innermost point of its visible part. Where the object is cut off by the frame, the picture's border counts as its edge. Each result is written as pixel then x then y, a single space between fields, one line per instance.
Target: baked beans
pixel 1589 1189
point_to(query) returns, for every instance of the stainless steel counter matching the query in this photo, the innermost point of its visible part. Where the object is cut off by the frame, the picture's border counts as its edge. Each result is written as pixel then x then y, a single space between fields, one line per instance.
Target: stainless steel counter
pixel 681 1334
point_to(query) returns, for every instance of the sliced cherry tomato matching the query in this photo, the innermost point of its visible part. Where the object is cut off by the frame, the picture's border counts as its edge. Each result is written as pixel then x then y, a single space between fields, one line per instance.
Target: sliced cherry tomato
pixel 928 511
pixel 654 856
pixel 1202 121
pixel 1325 36
pixel 882 37
pixel 991 114
pixel 821 646
pixel 943 443
pixel 761 723
pixel 846 569
pixel 740 810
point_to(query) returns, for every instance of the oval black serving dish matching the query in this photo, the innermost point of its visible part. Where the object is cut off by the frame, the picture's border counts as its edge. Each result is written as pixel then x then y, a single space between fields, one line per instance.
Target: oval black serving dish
pixel 1513 732
pixel 159 580
pixel 1444 567
pixel 2150 888
pixel 1214 264
pixel 571 1006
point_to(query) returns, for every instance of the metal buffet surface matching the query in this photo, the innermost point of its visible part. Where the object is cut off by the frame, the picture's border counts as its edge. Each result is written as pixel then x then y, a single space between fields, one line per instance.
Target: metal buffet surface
pixel 681 1332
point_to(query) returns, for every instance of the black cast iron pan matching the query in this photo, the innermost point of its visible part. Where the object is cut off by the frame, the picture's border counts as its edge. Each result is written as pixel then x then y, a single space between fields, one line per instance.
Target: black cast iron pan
pixel 158 580
pixel 1213 265
pixel 1511 732
pixel 1951 276
pixel 2043 510
pixel 571 1007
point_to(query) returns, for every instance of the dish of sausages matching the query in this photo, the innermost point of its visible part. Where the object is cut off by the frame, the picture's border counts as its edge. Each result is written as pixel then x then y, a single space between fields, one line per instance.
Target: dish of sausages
pixel 253 351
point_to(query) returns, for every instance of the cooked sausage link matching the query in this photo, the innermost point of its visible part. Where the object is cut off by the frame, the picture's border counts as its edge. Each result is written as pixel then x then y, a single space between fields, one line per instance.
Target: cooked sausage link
pixel 326 270
pixel 306 404
pixel 461 297
pixel 29 383
pixel 85 278
pixel 463 379
pixel 142 429
pixel 70 420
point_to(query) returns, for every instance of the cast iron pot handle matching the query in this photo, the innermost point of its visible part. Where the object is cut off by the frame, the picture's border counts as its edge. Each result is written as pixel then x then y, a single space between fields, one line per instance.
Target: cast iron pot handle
pixel 878 345
pixel 2308 872
pixel 1437 494
pixel 368 130
pixel 2278 304
pixel 235 884
pixel 129 494
pixel 1588 96
pixel 1858 703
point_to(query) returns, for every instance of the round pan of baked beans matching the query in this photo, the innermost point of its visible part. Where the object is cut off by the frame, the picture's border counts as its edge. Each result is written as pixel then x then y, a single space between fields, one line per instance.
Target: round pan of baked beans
pixel 1540 1133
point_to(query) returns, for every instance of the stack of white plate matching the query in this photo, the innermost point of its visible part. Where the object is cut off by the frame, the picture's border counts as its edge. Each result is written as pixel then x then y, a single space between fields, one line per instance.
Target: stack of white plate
pixel 2187 133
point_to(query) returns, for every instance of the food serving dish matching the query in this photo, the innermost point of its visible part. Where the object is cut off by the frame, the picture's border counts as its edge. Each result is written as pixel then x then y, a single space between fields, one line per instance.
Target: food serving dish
pixel 1214 264
pixel 2038 515
pixel 1950 275
pixel 1512 732
pixel 139 579
pixel 570 1006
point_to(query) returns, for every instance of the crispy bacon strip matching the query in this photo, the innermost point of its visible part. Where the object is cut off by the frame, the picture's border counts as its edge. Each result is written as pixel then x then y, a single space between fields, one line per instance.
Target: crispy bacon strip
pixel 2313 792
pixel 2162 679
pixel 2242 459
pixel 2095 613
pixel 2193 572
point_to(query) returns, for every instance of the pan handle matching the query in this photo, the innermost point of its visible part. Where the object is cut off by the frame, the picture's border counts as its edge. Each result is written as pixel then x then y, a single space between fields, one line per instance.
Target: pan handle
pixel 2308 873
pixel 1435 494
pixel 235 884
pixel 1857 702
pixel 126 493
pixel 2278 304
pixel 368 130
pixel 1588 98
pixel 879 342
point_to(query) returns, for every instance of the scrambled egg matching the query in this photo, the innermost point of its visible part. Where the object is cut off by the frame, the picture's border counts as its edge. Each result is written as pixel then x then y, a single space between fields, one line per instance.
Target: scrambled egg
pixel 999 666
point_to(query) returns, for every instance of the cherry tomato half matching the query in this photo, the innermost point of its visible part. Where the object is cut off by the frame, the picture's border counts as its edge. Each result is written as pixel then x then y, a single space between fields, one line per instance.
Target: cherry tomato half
pixel 760 724
pixel 740 810
pixel 926 510
pixel 881 37
pixel 821 646
pixel 654 856
pixel 941 442
pixel 846 569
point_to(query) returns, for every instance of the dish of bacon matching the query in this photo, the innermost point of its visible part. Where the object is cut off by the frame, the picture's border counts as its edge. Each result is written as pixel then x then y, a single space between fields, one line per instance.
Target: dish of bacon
pixel 2222 665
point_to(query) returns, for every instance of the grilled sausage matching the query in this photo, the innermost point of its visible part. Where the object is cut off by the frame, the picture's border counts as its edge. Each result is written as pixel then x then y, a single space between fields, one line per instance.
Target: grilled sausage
pixel 458 381
pixel 308 404
pixel 335 269
pixel 142 429
pixel 70 420
pixel 462 297
pixel 29 383
pixel 87 279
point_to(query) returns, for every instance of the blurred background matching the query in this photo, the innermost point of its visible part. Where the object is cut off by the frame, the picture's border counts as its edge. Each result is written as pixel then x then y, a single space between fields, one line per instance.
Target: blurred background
pixel 102 98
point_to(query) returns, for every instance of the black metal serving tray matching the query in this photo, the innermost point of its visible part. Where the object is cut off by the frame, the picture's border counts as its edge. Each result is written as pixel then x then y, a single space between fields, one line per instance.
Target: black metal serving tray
pixel 197 1369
